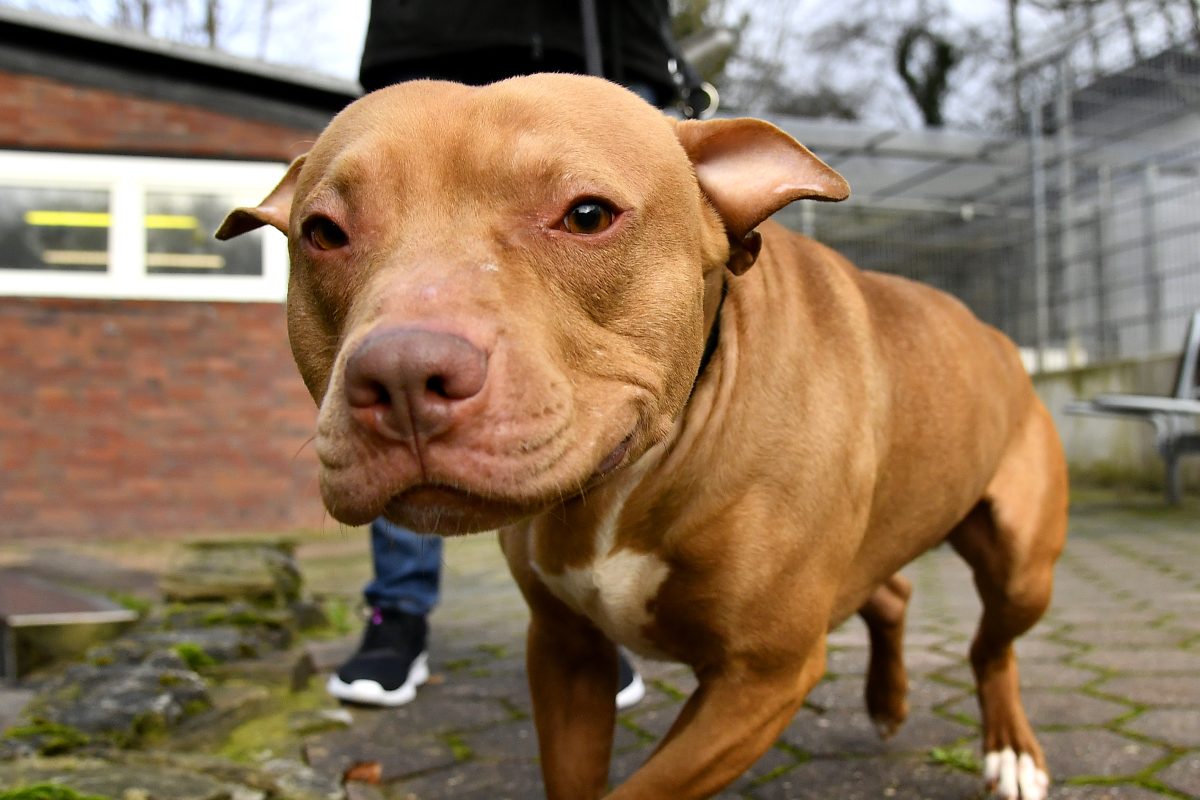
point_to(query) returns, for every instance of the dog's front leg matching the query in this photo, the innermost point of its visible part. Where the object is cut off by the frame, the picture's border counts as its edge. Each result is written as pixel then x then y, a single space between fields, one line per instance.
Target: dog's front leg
pixel 572 680
pixel 729 721
pixel 572 670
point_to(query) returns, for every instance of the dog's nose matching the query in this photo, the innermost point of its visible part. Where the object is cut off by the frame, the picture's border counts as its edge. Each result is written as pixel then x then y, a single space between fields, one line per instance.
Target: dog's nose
pixel 404 383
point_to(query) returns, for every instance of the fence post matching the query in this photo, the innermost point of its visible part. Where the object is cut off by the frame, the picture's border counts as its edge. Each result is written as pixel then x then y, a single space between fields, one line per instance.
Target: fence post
pixel 1069 278
pixel 1104 202
pixel 1150 258
pixel 1040 245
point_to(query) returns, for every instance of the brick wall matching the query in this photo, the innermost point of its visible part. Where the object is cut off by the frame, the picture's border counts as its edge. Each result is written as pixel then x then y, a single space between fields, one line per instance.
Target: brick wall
pixel 44 114
pixel 120 418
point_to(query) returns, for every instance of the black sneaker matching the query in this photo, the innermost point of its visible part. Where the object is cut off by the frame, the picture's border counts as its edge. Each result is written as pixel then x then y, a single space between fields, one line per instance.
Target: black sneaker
pixel 630 686
pixel 390 663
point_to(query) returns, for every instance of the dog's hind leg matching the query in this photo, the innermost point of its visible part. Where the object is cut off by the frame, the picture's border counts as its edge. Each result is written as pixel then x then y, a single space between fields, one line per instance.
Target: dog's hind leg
pixel 887 680
pixel 1011 539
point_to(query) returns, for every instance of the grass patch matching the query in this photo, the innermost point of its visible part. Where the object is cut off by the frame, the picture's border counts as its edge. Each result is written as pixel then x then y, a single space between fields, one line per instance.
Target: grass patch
pixel 962 759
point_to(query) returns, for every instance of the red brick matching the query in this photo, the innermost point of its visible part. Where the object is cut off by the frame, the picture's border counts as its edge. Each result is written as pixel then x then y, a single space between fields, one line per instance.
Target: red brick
pixel 131 423
pixel 45 114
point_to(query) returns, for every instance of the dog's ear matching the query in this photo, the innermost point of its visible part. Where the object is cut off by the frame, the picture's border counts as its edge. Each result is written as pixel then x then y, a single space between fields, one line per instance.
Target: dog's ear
pixel 274 210
pixel 749 169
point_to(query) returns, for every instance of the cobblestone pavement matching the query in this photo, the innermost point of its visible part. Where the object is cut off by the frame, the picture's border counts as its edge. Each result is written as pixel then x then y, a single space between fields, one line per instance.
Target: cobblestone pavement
pixel 1111 679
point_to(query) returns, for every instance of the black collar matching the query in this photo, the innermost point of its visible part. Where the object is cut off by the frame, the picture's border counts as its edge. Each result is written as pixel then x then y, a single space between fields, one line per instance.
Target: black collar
pixel 714 338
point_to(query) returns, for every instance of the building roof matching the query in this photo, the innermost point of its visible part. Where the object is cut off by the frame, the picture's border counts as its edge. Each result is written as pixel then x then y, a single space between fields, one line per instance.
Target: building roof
pixel 81 52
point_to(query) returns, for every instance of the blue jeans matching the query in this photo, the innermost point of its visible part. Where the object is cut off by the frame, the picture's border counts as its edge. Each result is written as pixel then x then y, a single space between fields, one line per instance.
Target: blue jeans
pixel 408 569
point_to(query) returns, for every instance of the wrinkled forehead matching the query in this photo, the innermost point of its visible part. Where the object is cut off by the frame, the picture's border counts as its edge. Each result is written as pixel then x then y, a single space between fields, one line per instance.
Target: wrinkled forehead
pixel 537 127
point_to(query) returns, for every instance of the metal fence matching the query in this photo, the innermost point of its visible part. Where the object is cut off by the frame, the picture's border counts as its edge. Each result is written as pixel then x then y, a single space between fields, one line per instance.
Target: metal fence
pixel 1078 236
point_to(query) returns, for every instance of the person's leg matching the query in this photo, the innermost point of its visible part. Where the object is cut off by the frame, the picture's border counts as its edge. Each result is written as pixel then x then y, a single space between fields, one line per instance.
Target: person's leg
pixel 391 662
pixel 408 568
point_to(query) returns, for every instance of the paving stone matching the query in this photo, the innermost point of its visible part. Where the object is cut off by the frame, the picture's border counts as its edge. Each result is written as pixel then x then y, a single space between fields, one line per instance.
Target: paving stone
pixel 846 662
pixel 772 766
pixel 1144 660
pixel 474 781
pixel 655 720
pixel 1103 793
pixel 1176 727
pixel 1030 649
pixel 1073 709
pixel 515 740
pixel 1154 690
pixel 398 753
pixel 1183 775
pixel 626 764
pixel 1043 675
pixel 1053 708
pixel 847 694
pixel 837 693
pixel 837 733
pixel 870 779
pixel 1095 753
pixel 1126 637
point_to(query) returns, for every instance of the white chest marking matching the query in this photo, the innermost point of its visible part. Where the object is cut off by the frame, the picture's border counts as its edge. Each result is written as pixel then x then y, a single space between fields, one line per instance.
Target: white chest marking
pixel 614 590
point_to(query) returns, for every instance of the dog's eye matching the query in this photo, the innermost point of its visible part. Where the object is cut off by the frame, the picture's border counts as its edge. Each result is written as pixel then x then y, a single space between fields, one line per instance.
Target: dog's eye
pixel 325 234
pixel 588 217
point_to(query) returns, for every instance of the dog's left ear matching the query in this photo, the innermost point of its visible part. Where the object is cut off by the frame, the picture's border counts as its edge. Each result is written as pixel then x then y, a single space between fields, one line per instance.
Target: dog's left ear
pixel 749 169
pixel 274 210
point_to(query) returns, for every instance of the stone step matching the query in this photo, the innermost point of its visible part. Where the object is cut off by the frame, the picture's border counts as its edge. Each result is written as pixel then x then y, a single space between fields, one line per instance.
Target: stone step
pixel 43 621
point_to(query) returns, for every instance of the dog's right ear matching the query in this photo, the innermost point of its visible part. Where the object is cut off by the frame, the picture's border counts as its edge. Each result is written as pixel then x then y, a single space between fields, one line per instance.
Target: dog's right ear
pixel 748 170
pixel 274 210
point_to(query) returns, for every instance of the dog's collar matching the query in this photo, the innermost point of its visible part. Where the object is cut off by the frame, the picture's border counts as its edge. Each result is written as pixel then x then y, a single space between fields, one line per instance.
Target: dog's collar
pixel 714 338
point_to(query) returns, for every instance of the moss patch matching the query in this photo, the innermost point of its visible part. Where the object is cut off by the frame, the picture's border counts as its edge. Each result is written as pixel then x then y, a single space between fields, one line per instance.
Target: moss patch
pixel 272 733
pixel 47 791
pixel 193 655
pixel 960 758
pixel 49 738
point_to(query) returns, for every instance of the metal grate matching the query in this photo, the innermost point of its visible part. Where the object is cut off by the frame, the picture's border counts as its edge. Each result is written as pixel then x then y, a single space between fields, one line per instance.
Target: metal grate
pixel 1078 236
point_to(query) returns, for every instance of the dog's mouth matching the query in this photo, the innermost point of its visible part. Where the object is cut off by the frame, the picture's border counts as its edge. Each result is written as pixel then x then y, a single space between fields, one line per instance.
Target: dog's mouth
pixel 450 511
pixel 614 459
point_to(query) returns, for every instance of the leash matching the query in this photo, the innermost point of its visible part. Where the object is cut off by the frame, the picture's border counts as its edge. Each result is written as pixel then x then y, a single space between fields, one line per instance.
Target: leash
pixel 698 99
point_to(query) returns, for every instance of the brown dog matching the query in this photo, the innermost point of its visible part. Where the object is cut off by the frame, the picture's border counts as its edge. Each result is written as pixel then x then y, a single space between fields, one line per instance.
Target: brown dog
pixel 529 306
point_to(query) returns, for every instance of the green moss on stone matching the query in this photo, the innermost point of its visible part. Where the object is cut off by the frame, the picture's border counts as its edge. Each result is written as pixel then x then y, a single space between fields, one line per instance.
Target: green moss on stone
pixel 960 758
pixel 47 791
pixel 193 655
pixel 50 738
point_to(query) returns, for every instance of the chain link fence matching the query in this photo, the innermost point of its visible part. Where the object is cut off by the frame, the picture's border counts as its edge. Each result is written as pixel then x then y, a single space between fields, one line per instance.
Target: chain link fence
pixel 1078 236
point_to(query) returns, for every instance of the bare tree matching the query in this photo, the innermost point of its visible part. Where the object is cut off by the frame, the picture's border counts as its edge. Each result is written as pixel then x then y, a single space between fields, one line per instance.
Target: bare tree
pixel 926 75
pixel 878 59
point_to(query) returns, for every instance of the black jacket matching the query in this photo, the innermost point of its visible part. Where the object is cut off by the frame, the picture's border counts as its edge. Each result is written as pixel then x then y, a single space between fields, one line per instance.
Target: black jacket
pixel 480 41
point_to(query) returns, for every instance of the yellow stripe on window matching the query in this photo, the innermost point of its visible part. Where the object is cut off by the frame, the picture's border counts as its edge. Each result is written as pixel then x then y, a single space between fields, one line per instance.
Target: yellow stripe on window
pixel 68 219
pixel 175 222
pixel 101 219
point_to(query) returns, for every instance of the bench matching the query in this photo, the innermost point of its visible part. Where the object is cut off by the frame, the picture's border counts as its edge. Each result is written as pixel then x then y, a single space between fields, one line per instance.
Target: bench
pixel 1174 418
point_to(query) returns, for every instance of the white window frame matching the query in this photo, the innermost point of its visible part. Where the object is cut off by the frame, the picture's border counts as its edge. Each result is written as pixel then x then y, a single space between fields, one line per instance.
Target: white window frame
pixel 127 179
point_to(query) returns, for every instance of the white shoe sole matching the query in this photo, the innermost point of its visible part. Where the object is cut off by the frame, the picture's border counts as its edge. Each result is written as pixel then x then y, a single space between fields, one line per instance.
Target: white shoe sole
pixel 632 694
pixel 370 693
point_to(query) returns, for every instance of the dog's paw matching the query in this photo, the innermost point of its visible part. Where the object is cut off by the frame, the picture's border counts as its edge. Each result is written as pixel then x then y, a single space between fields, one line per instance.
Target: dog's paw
pixel 1010 776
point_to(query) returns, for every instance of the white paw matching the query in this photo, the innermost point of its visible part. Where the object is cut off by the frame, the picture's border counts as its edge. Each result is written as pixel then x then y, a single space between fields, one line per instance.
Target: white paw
pixel 1012 777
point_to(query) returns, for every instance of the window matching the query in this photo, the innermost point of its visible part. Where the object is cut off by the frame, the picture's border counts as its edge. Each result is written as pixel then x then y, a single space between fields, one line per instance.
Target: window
pixel 54 229
pixel 135 228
